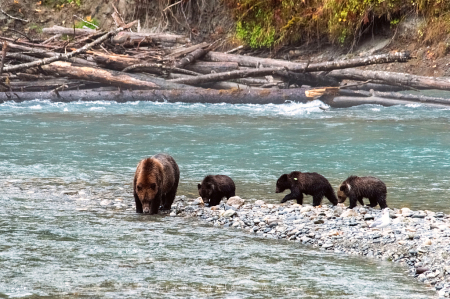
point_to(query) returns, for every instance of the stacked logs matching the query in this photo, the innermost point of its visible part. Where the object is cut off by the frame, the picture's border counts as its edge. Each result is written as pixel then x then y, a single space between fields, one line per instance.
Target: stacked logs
pixel 121 65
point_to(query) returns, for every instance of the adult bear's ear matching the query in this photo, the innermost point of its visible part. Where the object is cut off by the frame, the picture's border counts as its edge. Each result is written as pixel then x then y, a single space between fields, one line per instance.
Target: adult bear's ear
pixel 199 186
pixel 343 187
pixel 284 178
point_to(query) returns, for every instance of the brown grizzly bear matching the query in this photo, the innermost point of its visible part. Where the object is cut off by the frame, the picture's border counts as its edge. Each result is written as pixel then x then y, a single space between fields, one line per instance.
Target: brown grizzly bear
pixel 155 183
pixel 310 183
pixel 355 188
pixel 214 187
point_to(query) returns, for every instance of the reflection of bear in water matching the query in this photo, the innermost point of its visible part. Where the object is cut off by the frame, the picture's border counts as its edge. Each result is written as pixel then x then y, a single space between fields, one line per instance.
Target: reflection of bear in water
pixel 215 187
pixel 355 188
pixel 155 183
pixel 310 183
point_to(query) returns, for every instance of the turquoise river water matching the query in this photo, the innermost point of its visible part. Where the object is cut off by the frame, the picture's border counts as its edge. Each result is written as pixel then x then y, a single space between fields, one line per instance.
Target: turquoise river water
pixel 54 245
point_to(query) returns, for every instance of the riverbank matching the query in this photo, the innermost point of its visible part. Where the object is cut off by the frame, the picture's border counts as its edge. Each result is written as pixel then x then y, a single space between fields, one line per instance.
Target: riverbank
pixel 419 240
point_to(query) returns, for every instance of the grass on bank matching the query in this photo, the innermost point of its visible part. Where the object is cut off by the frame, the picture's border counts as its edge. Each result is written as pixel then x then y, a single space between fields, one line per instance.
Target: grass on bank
pixel 269 23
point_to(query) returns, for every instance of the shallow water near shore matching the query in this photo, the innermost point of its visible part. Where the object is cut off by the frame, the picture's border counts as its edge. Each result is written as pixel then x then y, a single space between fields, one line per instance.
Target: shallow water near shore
pixel 54 244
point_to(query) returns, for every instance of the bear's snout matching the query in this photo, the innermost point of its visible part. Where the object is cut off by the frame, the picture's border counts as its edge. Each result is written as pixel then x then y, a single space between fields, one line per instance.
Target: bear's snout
pixel 146 210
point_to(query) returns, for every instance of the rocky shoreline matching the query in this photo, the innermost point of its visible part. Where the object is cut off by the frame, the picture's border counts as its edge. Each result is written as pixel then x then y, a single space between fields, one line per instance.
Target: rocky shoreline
pixel 420 240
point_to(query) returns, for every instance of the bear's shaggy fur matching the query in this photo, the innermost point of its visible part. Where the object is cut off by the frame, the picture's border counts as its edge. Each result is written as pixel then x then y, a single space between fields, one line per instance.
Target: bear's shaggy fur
pixel 355 188
pixel 155 183
pixel 310 183
pixel 214 187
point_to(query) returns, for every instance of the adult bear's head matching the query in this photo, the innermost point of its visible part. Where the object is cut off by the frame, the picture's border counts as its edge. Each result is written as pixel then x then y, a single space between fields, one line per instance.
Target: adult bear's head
pixel 149 181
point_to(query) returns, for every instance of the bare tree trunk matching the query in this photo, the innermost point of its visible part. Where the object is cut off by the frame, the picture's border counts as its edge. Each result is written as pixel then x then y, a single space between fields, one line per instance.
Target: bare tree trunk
pixel 311 79
pixel 44 53
pixel 62 56
pixel 2 61
pixel 250 61
pixel 233 96
pixel 69 31
pixel 323 66
pixel 390 78
pixel 113 78
pixel 130 38
pixel 191 57
pixel 206 67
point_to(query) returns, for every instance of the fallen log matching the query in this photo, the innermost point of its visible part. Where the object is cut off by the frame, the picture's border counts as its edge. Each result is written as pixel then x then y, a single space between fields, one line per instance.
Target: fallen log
pixel 27 43
pixel 217 85
pixel 43 53
pixel 62 56
pixel 191 57
pixel 43 85
pixel 311 79
pixel 69 31
pixel 115 62
pixel 372 86
pixel 390 78
pixel 2 58
pixel 396 95
pixel 109 77
pixel 257 62
pixel 314 67
pixel 132 38
pixel 347 101
pixel 158 68
pixel 233 96
pixel 179 52
pixel 206 67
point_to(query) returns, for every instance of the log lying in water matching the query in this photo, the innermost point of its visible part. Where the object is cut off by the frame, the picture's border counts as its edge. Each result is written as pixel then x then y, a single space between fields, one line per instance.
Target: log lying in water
pixel 231 96
pixel 346 102
pixel 391 78
pixel 348 98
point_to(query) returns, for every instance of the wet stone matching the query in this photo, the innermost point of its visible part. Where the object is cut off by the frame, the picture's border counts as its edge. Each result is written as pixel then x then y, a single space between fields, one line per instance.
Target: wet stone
pixel 368 217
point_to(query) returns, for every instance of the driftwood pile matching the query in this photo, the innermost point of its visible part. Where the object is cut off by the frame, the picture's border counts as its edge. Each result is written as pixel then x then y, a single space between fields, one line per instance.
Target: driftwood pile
pixel 121 65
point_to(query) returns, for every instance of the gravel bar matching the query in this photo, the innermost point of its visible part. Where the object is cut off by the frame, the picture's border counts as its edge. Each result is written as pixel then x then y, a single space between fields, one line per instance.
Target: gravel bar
pixel 419 240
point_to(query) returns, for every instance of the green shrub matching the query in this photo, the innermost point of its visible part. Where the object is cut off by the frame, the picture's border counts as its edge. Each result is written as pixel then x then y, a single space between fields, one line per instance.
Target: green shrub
pixel 267 23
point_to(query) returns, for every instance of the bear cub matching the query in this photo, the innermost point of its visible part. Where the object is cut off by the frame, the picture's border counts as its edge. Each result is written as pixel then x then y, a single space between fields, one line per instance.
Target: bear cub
pixel 155 183
pixel 214 187
pixel 309 183
pixel 355 188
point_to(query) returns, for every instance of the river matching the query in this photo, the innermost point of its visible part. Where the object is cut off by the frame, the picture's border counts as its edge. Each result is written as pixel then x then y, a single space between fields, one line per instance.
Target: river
pixel 56 242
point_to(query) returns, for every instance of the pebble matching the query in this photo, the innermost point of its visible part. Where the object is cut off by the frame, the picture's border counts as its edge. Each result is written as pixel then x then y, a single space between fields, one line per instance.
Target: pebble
pixel 235 201
pixel 105 202
pixel 369 217
pixel 69 192
pixel 419 215
pixel 259 203
pixel 229 213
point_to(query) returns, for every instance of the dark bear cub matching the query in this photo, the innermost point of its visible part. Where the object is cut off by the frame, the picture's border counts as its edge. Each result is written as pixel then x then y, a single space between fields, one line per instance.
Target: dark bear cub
pixel 215 187
pixel 309 183
pixel 355 188
pixel 155 183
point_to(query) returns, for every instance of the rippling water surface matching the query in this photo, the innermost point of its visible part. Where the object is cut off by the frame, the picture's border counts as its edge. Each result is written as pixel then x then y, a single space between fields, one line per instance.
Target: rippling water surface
pixel 54 244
